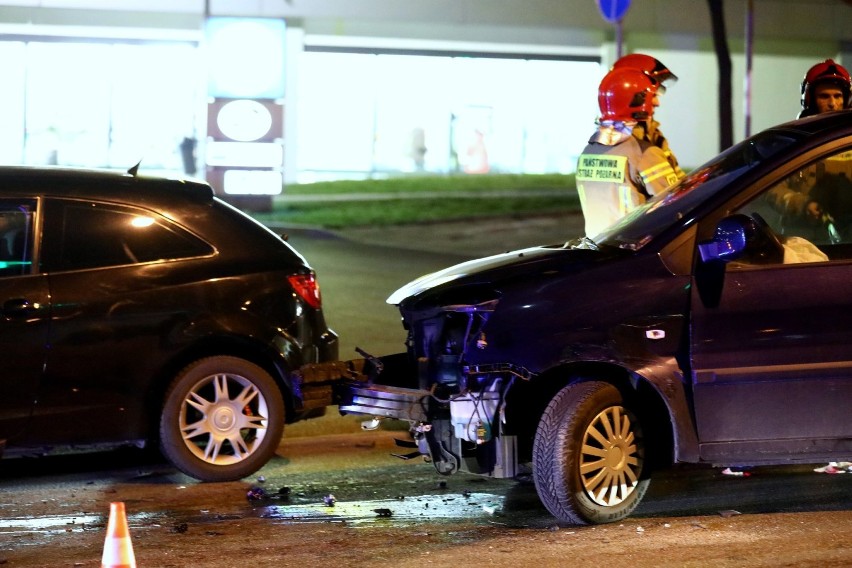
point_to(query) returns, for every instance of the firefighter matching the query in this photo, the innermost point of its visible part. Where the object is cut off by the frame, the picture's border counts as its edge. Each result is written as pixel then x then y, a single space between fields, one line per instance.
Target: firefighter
pixel 659 73
pixel 800 198
pixel 808 202
pixel 618 170
pixel 827 86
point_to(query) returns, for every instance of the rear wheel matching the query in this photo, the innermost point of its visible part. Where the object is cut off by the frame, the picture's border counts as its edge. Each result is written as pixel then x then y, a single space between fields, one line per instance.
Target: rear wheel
pixel 222 419
pixel 588 455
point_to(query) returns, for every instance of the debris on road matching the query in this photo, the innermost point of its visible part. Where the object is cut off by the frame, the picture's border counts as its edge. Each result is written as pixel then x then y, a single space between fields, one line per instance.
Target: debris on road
pixel 180 528
pixel 835 467
pixel 736 472
pixel 256 494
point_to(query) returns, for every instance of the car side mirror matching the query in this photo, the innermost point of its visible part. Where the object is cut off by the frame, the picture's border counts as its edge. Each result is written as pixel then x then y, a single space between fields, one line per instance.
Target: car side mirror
pixel 730 240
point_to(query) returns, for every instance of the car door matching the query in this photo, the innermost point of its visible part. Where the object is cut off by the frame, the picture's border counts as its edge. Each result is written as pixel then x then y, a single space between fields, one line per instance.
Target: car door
pixel 115 301
pixel 771 356
pixel 25 307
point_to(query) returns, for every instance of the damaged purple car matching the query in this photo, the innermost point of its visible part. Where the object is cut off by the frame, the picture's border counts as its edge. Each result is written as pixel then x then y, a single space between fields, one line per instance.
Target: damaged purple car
pixel 711 325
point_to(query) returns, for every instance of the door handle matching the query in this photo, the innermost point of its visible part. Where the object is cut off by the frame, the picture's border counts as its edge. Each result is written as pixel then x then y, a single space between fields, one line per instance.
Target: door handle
pixel 19 307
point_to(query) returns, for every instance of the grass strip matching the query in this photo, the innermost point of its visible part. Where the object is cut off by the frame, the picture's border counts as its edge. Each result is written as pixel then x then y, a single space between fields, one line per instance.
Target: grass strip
pixel 467 197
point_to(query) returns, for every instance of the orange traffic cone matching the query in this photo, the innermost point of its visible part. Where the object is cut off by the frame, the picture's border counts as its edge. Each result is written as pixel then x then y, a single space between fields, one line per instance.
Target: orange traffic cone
pixel 118 551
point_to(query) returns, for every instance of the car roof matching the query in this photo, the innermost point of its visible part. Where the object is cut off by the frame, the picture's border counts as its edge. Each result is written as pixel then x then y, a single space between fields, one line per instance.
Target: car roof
pixel 835 120
pixel 100 184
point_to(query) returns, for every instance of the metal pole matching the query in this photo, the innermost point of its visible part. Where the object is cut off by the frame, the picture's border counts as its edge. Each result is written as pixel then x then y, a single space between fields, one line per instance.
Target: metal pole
pixel 749 48
pixel 619 37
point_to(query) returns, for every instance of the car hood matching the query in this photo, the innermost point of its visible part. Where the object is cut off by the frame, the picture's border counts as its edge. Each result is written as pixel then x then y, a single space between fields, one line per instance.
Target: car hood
pixel 501 267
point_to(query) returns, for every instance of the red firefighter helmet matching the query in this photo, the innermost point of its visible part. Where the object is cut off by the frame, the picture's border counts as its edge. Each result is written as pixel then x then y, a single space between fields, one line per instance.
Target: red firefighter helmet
pixel 652 67
pixel 826 72
pixel 627 94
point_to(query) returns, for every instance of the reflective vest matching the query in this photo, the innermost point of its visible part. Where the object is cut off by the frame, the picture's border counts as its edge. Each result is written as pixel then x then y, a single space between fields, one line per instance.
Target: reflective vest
pixel 614 179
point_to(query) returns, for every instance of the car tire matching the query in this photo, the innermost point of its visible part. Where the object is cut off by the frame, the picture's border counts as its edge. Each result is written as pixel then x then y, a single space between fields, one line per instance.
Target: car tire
pixel 588 455
pixel 222 419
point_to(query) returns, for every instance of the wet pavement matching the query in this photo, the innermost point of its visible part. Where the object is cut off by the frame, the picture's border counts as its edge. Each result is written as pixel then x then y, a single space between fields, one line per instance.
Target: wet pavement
pixel 344 499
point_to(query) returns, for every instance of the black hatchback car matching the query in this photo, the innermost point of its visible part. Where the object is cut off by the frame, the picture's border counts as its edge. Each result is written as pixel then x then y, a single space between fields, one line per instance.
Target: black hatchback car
pixel 137 309
pixel 711 325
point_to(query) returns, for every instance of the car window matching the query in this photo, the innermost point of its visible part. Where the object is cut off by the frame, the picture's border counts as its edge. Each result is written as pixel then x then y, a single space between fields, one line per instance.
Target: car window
pixel 811 210
pixel 16 236
pixel 94 235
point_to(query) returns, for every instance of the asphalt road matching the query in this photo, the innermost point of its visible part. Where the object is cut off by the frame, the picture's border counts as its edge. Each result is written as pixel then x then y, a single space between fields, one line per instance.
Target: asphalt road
pixel 356 278
pixel 342 499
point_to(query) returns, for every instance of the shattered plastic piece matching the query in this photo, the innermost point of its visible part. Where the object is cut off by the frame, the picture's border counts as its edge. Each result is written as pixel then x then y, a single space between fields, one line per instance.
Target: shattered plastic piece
pixel 835 467
pixel 180 528
pixel 256 494
pixel 734 473
pixel 729 513
pixel 329 500
pixel 383 512
pixel 261 479
pixel 640 529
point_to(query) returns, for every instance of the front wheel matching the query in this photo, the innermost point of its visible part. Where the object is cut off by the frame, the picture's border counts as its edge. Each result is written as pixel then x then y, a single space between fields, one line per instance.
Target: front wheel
pixel 222 419
pixel 588 455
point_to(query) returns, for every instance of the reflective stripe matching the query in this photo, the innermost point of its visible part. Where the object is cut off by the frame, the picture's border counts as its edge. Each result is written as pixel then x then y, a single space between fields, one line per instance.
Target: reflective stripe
pixel 655 172
pixel 601 167
pixel 625 199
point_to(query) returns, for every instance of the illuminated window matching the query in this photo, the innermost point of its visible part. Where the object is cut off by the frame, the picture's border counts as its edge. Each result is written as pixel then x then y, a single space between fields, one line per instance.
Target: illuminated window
pixel 364 115
pixel 98 104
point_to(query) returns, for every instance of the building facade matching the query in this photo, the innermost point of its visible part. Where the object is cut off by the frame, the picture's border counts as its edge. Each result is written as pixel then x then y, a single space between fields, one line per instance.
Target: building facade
pixel 373 88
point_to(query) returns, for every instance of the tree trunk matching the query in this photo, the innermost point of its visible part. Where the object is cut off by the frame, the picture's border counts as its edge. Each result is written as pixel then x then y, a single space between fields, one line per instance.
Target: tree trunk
pixel 723 56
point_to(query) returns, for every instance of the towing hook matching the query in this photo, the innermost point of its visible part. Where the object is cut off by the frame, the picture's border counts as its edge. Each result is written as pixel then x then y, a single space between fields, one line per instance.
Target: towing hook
pixel 377 362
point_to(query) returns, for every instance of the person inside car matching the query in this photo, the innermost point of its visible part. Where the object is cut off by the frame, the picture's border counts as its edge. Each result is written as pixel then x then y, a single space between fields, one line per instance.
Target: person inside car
pixel 811 203
pixel 826 87
pixel 808 204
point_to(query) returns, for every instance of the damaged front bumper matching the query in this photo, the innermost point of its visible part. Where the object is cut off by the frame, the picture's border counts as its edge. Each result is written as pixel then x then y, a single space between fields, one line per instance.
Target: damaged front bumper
pixel 457 429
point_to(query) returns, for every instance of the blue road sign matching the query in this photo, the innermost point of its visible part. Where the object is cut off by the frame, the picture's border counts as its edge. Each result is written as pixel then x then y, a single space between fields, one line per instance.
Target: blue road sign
pixel 613 10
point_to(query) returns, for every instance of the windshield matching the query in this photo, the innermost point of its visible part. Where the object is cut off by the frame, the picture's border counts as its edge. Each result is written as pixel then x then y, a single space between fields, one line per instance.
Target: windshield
pixel 659 213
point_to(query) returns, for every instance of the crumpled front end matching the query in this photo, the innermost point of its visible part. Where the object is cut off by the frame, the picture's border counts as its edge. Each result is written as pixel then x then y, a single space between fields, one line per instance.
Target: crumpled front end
pixel 451 385
pixel 455 408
